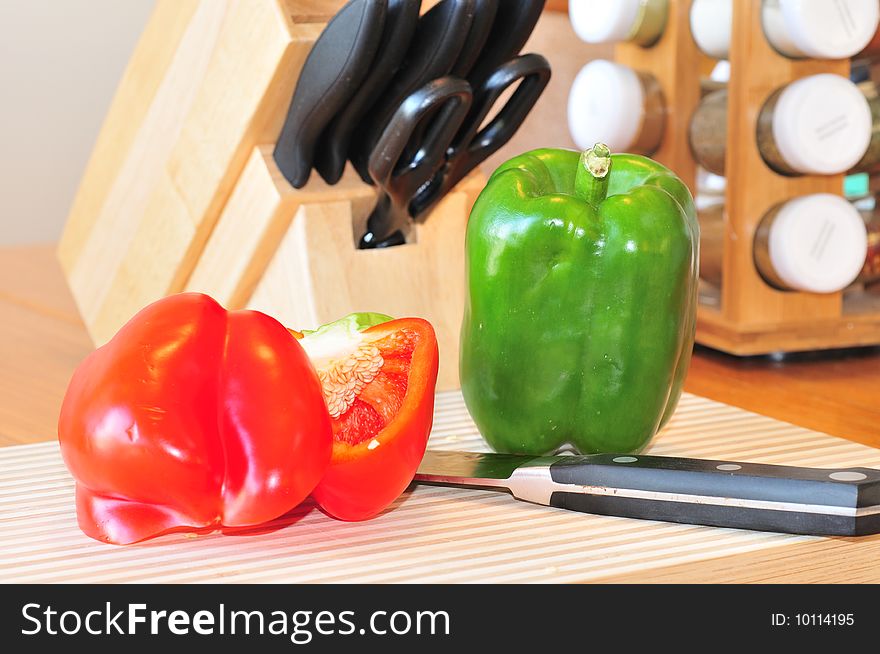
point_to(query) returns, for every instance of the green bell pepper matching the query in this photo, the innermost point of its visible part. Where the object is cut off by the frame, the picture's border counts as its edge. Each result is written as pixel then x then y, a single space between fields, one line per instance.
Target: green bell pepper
pixel 581 301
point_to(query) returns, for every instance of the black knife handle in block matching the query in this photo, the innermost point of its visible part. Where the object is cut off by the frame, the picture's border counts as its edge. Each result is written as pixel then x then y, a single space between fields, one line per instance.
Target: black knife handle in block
pixel 439 37
pixel 481 26
pixel 337 64
pixel 844 502
pixel 332 150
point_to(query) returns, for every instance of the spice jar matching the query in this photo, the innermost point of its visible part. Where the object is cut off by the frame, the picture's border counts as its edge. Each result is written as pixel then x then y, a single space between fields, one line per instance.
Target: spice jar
pixel 817 125
pixel 613 104
pixel 819 29
pixel 711 22
pixel 814 243
pixel 600 21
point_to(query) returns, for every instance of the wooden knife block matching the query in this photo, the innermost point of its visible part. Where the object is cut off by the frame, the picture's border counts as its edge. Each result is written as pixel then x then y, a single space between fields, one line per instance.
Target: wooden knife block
pixel 181 191
pixel 208 81
pixel 292 254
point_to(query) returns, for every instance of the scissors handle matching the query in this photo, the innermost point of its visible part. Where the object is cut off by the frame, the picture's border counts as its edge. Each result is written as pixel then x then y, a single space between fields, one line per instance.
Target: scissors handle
pixel 472 145
pixel 445 102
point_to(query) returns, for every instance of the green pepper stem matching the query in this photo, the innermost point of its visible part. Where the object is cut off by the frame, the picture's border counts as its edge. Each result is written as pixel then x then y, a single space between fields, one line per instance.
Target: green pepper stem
pixel 593 173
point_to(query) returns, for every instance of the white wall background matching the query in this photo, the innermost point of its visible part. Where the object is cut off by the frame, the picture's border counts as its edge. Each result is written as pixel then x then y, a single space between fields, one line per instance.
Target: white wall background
pixel 60 62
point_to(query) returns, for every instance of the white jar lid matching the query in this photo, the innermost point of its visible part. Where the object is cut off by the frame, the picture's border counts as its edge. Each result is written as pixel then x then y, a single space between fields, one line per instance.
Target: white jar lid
pixel 711 23
pixel 822 124
pixel 818 243
pixel 720 71
pixel 828 29
pixel 606 104
pixel 601 21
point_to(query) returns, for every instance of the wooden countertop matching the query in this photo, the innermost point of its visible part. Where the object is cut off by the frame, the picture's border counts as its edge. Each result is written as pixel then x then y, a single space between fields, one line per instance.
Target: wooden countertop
pixel 42 339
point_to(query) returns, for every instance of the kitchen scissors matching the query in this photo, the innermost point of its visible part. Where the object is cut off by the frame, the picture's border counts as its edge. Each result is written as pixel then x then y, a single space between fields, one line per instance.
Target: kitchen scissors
pixel 448 117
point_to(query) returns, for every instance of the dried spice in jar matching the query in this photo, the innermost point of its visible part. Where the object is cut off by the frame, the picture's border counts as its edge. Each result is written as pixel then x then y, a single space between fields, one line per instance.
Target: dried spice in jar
pixel 707 131
pixel 870 163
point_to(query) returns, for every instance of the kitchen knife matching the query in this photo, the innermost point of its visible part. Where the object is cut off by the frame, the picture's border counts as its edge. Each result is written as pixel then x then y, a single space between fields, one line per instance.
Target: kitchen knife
pixel 332 151
pixel 814 501
pixel 439 38
pixel 337 63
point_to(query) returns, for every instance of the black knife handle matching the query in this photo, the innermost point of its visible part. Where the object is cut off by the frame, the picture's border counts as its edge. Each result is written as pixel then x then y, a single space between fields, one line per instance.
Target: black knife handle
pixel 789 499
pixel 439 37
pixel 337 63
pixel 481 27
pixel 332 151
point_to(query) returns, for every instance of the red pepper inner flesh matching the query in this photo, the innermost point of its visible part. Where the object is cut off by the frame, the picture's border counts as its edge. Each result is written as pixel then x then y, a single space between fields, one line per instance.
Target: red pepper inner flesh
pixel 380 400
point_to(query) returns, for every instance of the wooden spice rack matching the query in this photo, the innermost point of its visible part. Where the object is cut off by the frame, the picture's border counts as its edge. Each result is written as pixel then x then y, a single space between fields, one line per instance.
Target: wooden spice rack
pixel 745 315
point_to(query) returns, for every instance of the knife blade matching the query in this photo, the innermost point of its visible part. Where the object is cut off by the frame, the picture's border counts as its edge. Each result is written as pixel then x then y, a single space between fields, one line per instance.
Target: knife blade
pixel 336 65
pixel 787 499
pixel 400 25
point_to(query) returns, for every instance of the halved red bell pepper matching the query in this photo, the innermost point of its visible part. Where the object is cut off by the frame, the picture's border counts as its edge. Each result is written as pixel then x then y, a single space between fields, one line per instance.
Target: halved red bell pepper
pixel 378 382
pixel 192 416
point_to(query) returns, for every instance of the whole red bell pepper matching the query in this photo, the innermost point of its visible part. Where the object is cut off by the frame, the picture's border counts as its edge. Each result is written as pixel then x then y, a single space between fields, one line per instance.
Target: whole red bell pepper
pixel 192 416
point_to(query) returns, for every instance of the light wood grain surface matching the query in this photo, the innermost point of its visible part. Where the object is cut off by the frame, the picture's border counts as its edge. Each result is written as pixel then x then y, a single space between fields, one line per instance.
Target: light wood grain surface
pixel 139 223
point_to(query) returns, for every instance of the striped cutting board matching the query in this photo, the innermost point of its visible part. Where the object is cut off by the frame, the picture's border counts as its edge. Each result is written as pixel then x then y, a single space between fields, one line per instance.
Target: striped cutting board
pixel 433 534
